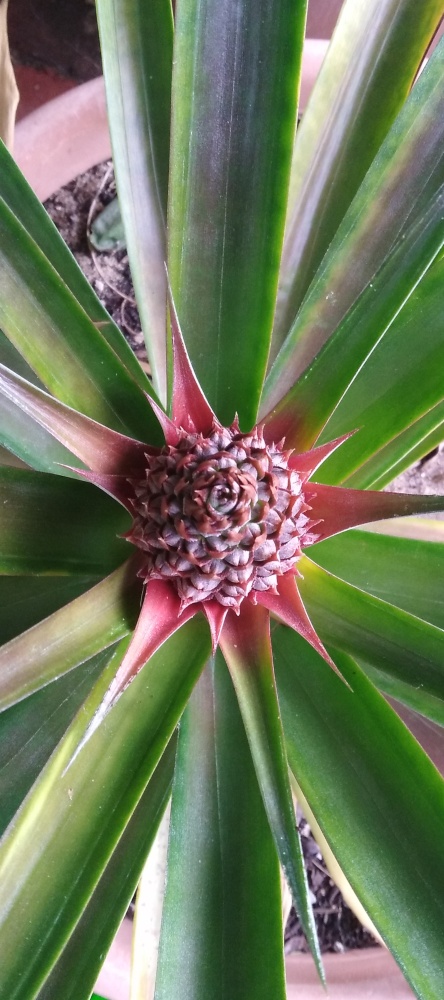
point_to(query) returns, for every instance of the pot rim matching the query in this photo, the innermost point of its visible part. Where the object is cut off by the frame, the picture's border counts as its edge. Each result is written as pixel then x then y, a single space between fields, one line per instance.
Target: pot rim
pixel 63 138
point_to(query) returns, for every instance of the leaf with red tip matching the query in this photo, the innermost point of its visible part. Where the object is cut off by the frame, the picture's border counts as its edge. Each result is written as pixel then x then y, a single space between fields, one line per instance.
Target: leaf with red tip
pixel 339 509
pixel 287 605
pixel 216 615
pixel 189 407
pixel 117 487
pixel 159 618
pixel 170 430
pixel 307 462
pixel 245 643
pixel 231 147
pixel 281 425
pixel 99 447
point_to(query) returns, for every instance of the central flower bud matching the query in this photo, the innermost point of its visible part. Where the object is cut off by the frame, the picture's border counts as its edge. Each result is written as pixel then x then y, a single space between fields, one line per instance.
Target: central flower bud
pixel 220 516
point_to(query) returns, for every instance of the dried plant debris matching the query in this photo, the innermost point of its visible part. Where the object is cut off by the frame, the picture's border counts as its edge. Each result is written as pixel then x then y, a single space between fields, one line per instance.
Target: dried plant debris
pixel 338 928
pixel 74 209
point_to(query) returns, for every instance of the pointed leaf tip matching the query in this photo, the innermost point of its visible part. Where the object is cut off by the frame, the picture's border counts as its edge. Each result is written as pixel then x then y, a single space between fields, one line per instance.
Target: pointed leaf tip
pixel 189 409
pixel 98 446
pixel 171 432
pixel 159 618
pixel 216 615
pixel 117 487
pixel 289 608
pixel 306 463
pixel 338 508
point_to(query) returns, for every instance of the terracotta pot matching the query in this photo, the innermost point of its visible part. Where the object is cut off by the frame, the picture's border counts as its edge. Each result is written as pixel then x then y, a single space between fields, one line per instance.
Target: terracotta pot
pixel 355 975
pixel 53 145
pixel 63 138
pixel 313 57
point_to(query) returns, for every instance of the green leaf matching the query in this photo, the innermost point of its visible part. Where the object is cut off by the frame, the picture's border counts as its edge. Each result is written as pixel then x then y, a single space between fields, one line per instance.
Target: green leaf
pixel 230 162
pixel 11 358
pixel 393 458
pixel 375 799
pixel 53 855
pixel 57 338
pixel 31 730
pixel 400 384
pixel 26 600
pixel 405 692
pixel 25 440
pixel 397 643
pixel 54 525
pixel 428 734
pixel 406 572
pixel 409 160
pixel 303 413
pixel 137 43
pixel 21 200
pixel 102 449
pixel 245 644
pixel 76 971
pixel 69 636
pixel 364 80
pixel 222 921
pixel 30 442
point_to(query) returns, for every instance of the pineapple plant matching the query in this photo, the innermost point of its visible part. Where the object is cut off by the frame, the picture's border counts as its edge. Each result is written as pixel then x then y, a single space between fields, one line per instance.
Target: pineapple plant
pixel 189 608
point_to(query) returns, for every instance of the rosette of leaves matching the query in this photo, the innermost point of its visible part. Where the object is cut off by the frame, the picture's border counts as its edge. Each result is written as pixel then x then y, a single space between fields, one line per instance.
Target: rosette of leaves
pixel 181 608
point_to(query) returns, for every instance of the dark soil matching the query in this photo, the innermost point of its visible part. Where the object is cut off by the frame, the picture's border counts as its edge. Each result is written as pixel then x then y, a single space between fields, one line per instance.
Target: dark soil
pixel 62 35
pixel 338 928
pixel 73 210
pixel 59 35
